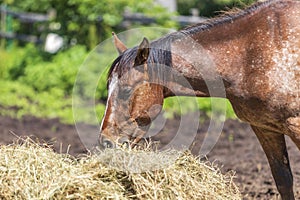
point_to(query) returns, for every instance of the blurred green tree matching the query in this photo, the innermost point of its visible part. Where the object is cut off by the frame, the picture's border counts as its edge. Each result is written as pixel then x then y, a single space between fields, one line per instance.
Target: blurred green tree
pixel 90 21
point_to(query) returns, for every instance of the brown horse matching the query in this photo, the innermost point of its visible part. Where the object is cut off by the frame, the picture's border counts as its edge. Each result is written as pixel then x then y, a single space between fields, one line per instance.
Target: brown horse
pixel 254 52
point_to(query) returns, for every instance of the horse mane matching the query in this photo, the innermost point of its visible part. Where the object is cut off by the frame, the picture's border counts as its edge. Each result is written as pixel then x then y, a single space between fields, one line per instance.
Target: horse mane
pixel 228 17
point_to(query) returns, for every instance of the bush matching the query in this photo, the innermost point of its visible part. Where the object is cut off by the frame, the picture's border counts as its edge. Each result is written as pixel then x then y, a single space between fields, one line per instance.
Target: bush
pixel 60 73
pixel 31 85
pixel 14 61
pixel 19 100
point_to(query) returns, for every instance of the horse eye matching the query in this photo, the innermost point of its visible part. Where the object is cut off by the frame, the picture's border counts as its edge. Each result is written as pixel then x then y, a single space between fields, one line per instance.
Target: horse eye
pixel 143 121
pixel 125 92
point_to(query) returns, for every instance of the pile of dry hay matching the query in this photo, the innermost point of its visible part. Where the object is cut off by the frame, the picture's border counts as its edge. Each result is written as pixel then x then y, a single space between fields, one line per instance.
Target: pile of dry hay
pixel 34 171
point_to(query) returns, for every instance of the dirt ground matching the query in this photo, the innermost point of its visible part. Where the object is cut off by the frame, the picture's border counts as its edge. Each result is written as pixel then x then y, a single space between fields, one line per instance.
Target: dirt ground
pixel 237 149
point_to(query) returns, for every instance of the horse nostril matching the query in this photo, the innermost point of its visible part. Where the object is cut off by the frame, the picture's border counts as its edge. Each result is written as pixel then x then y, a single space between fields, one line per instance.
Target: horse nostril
pixel 124 142
pixel 107 144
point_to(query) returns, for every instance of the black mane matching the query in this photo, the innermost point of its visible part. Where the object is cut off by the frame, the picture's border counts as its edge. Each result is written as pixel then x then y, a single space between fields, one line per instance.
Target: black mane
pixel 228 17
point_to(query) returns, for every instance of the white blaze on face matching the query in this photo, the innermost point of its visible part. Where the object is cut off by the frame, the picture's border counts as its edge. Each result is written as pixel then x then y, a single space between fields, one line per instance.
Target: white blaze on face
pixel 112 87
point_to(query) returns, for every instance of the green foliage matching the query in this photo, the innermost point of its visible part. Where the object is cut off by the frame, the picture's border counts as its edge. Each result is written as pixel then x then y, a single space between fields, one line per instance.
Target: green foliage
pixel 44 88
pixel 60 73
pixel 19 100
pixel 8 61
pixel 93 72
pixel 24 100
pixel 89 21
pixel 212 107
pixel 13 62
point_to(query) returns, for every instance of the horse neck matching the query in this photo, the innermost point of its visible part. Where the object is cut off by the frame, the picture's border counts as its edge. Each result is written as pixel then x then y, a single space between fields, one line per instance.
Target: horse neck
pixel 211 57
pixel 232 49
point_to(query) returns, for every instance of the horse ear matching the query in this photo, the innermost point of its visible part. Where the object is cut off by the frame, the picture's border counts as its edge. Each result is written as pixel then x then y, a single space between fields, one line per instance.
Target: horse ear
pixel 119 44
pixel 142 53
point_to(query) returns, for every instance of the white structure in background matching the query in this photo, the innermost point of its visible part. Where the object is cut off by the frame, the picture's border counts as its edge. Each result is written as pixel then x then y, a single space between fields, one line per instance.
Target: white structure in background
pixel 171 5
pixel 53 43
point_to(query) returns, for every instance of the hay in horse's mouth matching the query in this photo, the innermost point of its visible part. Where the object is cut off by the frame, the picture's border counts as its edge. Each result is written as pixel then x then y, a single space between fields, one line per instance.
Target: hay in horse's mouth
pixel 33 171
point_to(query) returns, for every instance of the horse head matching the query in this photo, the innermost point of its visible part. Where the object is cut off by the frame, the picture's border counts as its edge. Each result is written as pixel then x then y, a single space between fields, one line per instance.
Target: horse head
pixel 133 100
